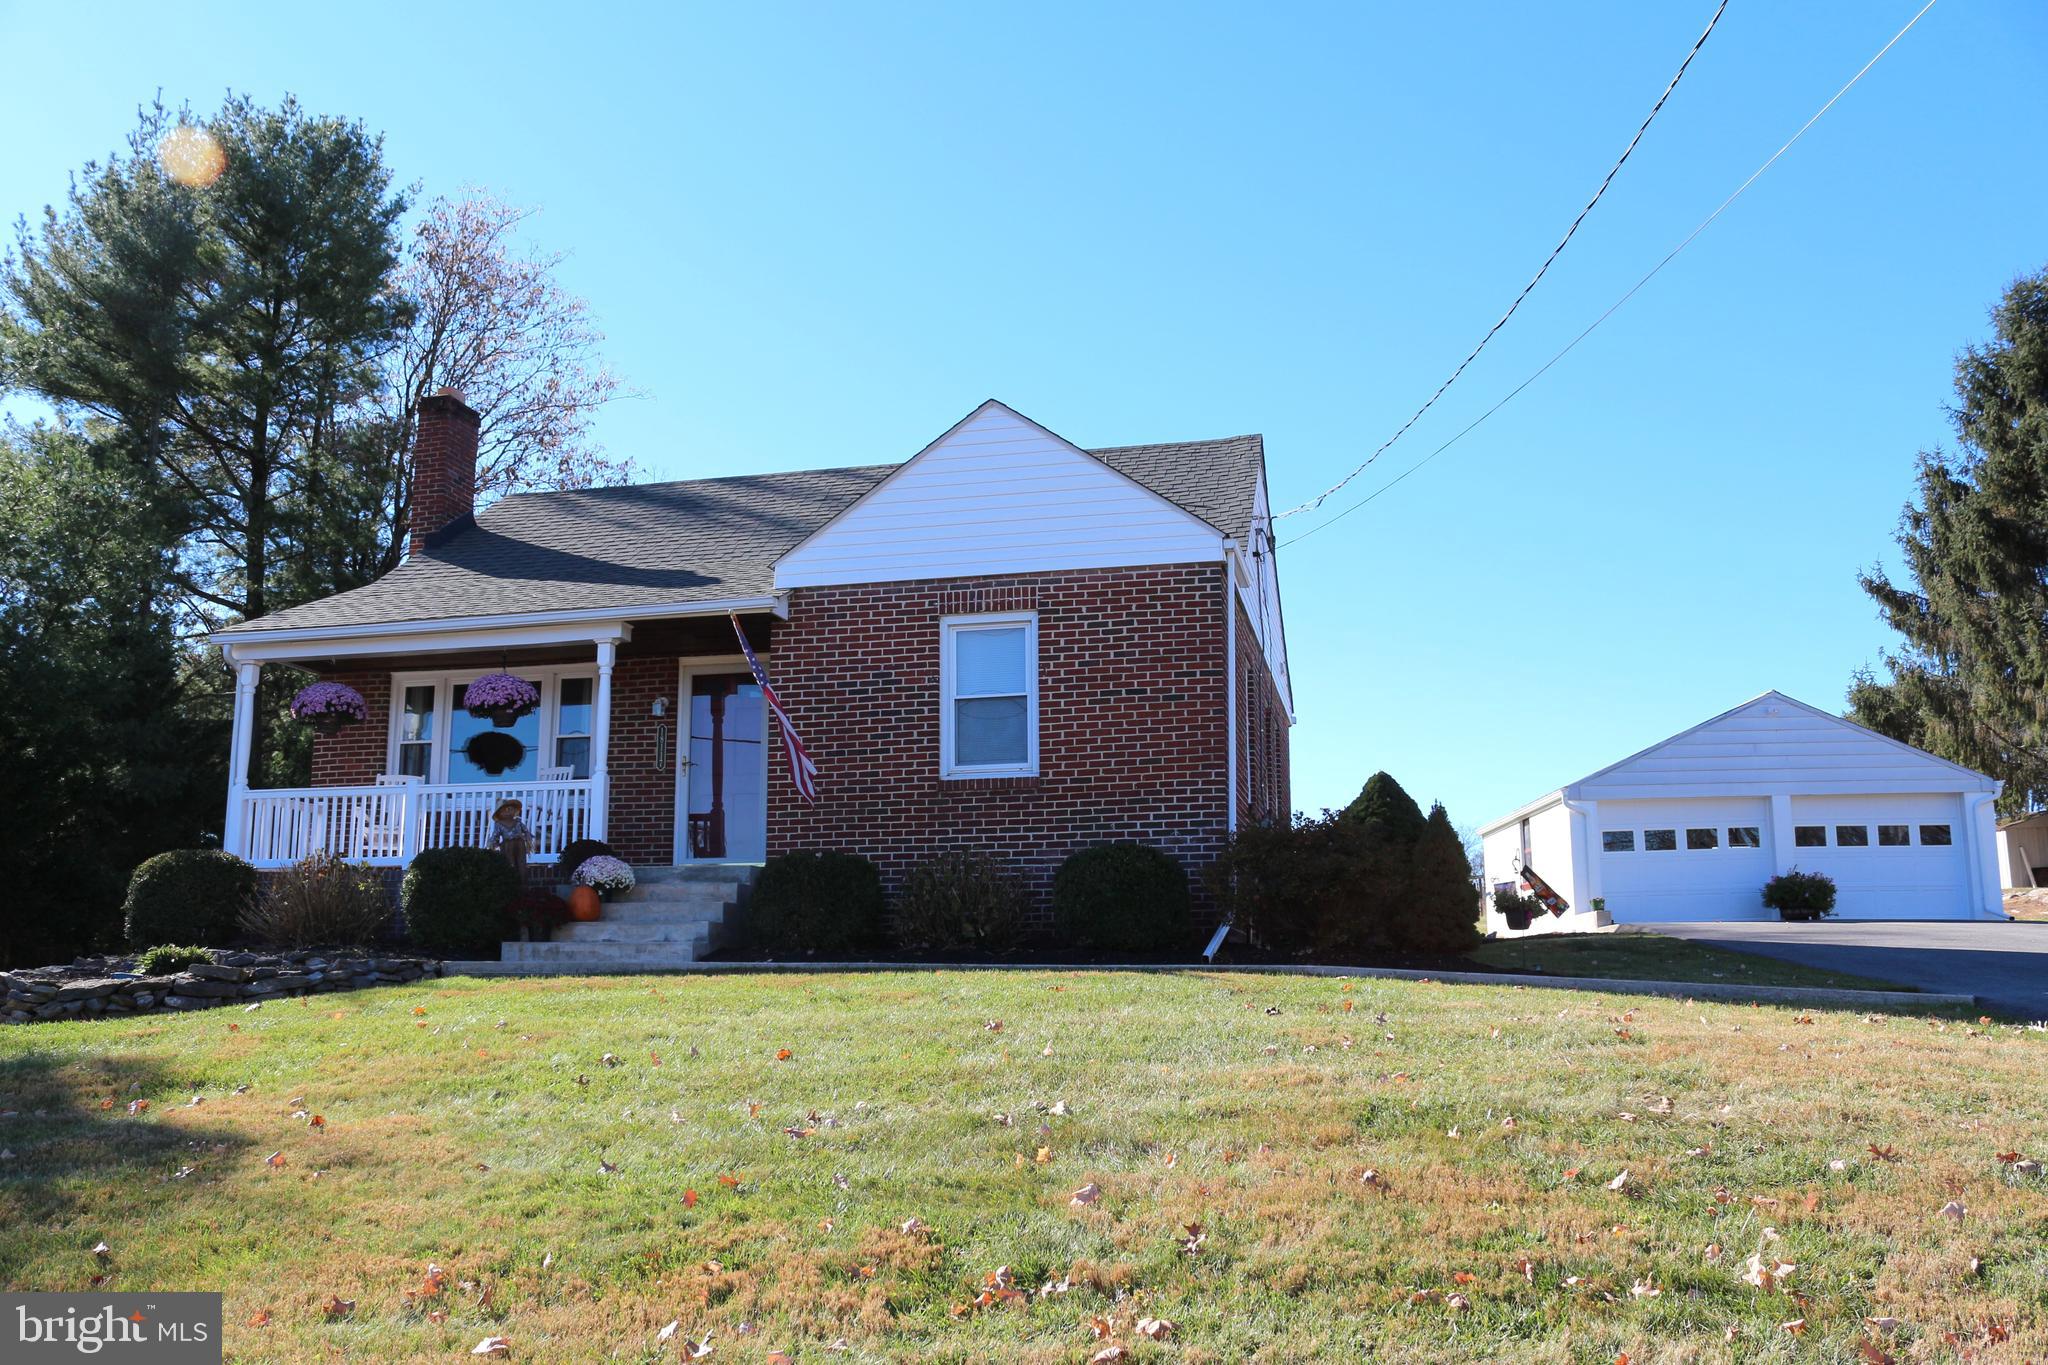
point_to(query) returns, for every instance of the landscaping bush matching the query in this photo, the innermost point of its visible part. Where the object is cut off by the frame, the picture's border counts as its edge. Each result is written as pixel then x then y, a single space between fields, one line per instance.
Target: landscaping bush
pixel 579 851
pixel 815 902
pixel 540 913
pixel 320 901
pixel 459 899
pixel 168 959
pixel 1801 895
pixel 1122 897
pixel 961 899
pixel 190 895
pixel 1365 881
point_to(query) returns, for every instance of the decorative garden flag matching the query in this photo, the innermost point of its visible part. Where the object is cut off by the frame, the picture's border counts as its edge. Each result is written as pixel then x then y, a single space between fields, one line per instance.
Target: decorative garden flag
pixel 1539 888
pixel 803 774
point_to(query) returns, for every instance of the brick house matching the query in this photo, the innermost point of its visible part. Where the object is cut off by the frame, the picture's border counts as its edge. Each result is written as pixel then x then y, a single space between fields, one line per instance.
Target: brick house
pixel 1006 642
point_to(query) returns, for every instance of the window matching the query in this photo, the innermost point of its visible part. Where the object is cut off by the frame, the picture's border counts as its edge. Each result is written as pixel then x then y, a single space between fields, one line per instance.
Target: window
pixel 1894 836
pixel 433 738
pixel 416 731
pixel 1703 838
pixel 1618 841
pixel 1934 836
pixel 989 672
pixel 1852 836
pixel 573 710
pixel 1745 836
pixel 1660 840
pixel 1809 836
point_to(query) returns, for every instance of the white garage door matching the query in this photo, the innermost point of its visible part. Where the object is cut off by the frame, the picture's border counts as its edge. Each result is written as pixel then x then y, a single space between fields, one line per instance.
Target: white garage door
pixel 1704 858
pixel 1892 857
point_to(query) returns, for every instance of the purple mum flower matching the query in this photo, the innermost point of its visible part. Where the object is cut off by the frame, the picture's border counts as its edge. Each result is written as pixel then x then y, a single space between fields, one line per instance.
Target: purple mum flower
pixel 329 699
pixel 500 691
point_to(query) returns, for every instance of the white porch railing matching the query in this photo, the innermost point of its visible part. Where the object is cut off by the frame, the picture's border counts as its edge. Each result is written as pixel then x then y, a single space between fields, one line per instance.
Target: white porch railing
pixel 385 826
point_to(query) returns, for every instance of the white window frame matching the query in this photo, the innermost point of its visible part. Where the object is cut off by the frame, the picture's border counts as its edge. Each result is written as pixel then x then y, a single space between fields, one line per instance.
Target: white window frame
pixel 447 685
pixel 949 628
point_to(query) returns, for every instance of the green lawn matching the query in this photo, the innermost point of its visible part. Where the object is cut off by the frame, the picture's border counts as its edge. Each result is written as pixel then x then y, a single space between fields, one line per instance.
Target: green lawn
pixel 1650 957
pixel 579 1205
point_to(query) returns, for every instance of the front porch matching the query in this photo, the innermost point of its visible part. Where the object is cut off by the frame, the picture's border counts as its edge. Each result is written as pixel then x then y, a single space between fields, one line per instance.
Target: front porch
pixel 648 736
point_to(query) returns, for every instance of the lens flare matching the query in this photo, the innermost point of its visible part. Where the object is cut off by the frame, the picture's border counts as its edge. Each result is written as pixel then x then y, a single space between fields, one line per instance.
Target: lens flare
pixel 191 156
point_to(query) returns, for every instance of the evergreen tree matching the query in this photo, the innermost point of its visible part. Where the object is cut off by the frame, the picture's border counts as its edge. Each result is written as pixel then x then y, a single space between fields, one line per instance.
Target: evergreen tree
pixel 1442 913
pixel 1971 682
pixel 116 742
pixel 1382 799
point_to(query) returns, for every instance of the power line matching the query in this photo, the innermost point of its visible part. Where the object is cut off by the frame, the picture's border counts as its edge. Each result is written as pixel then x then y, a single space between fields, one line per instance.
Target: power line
pixel 1615 307
pixel 1534 280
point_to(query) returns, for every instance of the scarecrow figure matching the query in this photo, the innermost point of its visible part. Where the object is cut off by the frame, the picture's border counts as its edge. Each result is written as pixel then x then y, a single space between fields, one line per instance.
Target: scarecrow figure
pixel 511 835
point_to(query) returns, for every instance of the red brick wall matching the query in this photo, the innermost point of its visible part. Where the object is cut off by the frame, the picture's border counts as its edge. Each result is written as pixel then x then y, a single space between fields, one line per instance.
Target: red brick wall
pixel 641 823
pixel 1132 708
pixel 1263 775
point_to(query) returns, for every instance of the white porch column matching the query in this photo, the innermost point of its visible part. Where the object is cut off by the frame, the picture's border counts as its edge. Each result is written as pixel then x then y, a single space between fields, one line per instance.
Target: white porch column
pixel 601 738
pixel 234 834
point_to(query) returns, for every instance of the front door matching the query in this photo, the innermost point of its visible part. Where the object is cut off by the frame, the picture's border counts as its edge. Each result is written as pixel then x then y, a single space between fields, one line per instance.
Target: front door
pixel 721 769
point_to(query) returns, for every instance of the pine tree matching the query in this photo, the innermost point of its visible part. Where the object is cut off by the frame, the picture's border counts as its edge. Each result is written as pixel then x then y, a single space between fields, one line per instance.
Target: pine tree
pixel 1442 913
pixel 1971 681
pixel 1383 799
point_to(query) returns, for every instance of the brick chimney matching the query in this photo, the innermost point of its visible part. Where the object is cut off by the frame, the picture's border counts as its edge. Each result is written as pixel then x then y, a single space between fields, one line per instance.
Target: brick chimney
pixel 443 469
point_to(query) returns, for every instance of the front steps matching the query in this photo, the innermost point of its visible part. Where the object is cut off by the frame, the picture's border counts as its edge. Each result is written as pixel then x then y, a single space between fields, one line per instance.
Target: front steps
pixel 671 917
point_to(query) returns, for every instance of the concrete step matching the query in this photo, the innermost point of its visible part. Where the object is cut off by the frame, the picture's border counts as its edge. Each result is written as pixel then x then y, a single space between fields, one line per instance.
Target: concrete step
pixel 598 957
pixel 481 968
pixel 743 873
pixel 702 892
pixel 664 912
pixel 682 931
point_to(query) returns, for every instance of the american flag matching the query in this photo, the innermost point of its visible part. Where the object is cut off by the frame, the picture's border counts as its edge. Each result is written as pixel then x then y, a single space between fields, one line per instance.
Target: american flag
pixel 803 774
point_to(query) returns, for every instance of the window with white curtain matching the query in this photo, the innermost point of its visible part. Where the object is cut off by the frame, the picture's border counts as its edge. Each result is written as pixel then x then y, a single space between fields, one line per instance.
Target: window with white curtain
pixel 988 724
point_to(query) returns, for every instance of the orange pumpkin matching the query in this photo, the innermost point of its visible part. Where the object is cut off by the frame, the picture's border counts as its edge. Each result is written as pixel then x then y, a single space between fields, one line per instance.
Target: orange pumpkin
pixel 584 904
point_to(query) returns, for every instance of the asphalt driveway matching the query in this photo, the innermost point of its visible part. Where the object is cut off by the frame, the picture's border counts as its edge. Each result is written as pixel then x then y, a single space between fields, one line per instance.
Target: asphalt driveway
pixel 2005 965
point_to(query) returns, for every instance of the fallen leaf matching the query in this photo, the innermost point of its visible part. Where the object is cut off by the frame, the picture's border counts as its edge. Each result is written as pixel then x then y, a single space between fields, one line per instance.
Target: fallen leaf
pixel 1153 1329
pixel 1087 1194
pixel 1953 1210
pixel 492 1346
pixel 1619 1182
pixel 784 1055
pixel 1796 1327
pixel 689 1199
pixel 337 1307
pixel 260 1318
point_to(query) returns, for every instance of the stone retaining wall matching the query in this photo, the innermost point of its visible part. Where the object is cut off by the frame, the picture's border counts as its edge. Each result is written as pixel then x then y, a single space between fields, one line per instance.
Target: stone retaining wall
pixel 101 988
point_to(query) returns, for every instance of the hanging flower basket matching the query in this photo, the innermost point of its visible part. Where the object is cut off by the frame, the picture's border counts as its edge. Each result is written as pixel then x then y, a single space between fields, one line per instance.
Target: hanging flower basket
pixel 500 698
pixel 493 752
pixel 330 707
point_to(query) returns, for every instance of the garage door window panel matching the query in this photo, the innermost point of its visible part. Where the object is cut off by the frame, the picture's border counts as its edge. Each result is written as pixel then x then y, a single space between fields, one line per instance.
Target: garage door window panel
pixel 1935 836
pixel 1745 836
pixel 1696 839
pixel 1660 840
pixel 1810 836
pixel 1617 841
pixel 1852 836
pixel 1894 836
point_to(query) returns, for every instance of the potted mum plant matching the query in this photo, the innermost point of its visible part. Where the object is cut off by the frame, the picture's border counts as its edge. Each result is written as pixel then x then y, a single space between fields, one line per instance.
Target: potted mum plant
pixel 501 698
pixel 607 876
pixel 329 707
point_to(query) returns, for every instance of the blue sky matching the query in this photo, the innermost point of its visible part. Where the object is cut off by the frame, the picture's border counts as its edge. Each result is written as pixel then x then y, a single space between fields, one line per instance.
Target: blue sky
pixel 819 234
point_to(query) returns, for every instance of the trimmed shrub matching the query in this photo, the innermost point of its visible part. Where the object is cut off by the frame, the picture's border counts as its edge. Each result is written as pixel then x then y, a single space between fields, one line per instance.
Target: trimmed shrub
pixel 1285 885
pixel 1122 897
pixel 815 902
pixel 577 852
pixel 960 899
pixel 190 895
pixel 1801 895
pixel 167 959
pixel 320 901
pixel 458 899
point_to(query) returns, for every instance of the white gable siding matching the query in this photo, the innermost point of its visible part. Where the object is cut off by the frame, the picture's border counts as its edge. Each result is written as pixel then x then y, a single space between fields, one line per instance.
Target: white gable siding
pixel 1262 595
pixel 998 494
pixel 1775 744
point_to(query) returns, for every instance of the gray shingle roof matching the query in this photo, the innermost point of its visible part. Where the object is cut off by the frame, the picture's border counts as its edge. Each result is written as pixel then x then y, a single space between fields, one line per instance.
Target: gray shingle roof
pixel 696 540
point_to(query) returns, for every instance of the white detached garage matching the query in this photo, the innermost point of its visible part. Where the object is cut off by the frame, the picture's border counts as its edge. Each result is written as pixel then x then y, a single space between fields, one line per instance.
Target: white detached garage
pixel 1691 829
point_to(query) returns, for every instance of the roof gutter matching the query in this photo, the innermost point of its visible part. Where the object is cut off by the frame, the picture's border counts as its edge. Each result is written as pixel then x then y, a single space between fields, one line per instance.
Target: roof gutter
pixel 471 632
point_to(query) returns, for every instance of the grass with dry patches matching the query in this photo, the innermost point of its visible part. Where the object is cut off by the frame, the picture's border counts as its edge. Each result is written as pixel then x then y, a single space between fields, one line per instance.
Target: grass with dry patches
pixel 577 1206
pixel 1652 957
